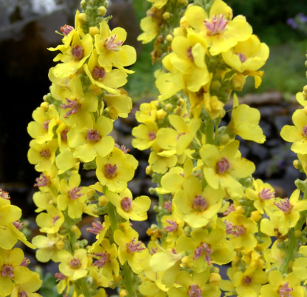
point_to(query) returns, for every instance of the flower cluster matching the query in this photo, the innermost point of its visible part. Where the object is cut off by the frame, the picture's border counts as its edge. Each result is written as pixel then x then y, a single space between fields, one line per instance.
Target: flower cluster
pixel 211 211
pixel 16 279
pixel 71 130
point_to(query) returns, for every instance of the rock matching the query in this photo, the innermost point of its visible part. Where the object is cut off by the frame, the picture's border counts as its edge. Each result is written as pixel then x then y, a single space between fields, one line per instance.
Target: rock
pixel 135 186
pixel 261 169
pixel 281 121
pixel 276 142
pixel 259 150
pixel 266 128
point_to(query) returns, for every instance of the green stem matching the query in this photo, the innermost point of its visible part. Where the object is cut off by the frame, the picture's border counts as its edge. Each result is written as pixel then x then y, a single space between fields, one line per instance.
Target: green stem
pixel 128 280
pixel 209 131
pixel 83 287
pixel 293 241
pixel 112 216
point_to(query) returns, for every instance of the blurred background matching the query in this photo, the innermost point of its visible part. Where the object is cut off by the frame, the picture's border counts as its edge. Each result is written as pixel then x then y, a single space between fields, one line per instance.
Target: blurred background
pixel 27 29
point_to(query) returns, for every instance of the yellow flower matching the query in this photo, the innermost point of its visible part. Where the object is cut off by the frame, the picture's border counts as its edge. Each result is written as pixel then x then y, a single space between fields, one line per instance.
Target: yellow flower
pixel 74 266
pixel 44 121
pixel 222 168
pixel 119 105
pixel 28 288
pixel 74 56
pixel 43 155
pixel 150 26
pixel 110 51
pixel 247 55
pixel 116 169
pixel 72 196
pixel 51 221
pixel 288 285
pixel 130 249
pixel 220 32
pixel 92 141
pixel 108 81
pixel 297 133
pixel 159 163
pixel 197 206
pixel 130 209
pixel 245 122
pixel 77 107
pixel 262 193
pixel 145 135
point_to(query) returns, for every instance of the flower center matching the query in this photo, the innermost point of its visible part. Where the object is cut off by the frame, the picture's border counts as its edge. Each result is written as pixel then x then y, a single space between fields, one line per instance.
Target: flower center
pixel 77 52
pixel 46 125
pixel 25 262
pixel 18 225
pixel 22 294
pixel 247 280
pixel 123 148
pixel 73 105
pixel 4 195
pixel 103 260
pixel 66 29
pixel 110 170
pixel 96 228
pixel 111 45
pixel 189 54
pixel 217 25
pixel 152 135
pixel 98 73
pixel 180 134
pixel 173 226
pixel 126 204
pixel 55 218
pixel 305 131
pixel 199 203
pixel 204 248
pixel 74 193
pixel 75 263
pixel 42 181
pixel 64 134
pixel 234 229
pixel 284 290
pixel 266 194
pixel 93 135
pixel 230 208
pixel 7 270
pixel 242 57
pixel 45 153
pixel 194 291
pixel 168 205
pixel 60 276
pixel 134 247
pixel 223 165
pixel 284 205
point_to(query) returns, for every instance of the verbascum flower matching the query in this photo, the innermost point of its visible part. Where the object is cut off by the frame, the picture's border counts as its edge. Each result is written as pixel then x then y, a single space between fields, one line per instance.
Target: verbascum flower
pixel 218 29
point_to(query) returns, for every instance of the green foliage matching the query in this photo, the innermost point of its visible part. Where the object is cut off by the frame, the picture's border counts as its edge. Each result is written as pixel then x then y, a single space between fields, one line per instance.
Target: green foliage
pixel 48 288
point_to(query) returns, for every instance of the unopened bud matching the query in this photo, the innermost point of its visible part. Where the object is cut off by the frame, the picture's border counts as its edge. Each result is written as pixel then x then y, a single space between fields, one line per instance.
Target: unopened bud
pixel 82 17
pixel 168 106
pixel 152 191
pixel 166 15
pixel 74 229
pixel 238 81
pixel 83 4
pixel 60 245
pixel 181 102
pixel 256 216
pixel 161 114
pixel 239 209
pixel 76 246
pixel 169 37
pixel 102 10
pixel 296 164
pixel 225 139
pixel 44 106
pixel 148 170
pixel 298 233
pixel 305 89
pixel 185 262
pixel 216 84
pixel 93 31
pixel 215 279
pixel 103 201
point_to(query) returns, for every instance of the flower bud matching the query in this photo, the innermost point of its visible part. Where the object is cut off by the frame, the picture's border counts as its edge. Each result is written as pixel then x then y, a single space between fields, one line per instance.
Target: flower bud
pixel 239 209
pixel 169 37
pixel 161 114
pixel 215 279
pixel 123 293
pixel 238 82
pixel 185 262
pixel 82 17
pixel 74 229
pixel 169 106
pixel 256 216
pixel 93 31
pixel 297 164
pixel 148 170
pixel 298 233
pixel 225 139
pixel 44 106
pixel 103 201
pixel 76 246
pixel 102 10
pixel 215 85
pixel 181 102
pixel 83 4
pixel 60 245
pixel 166 15
pixel 305 89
